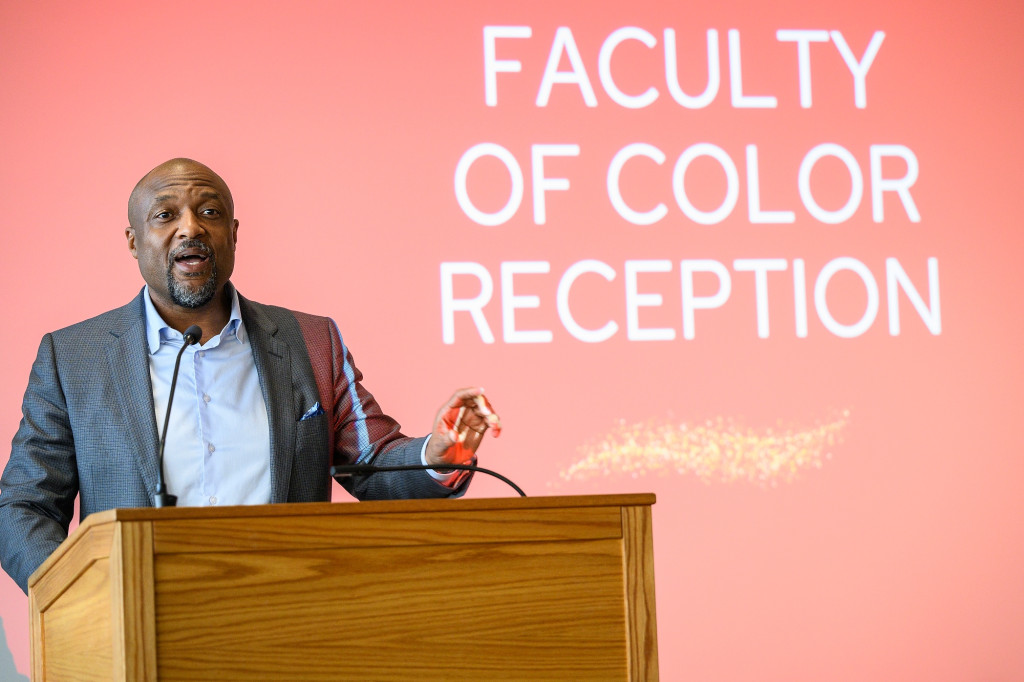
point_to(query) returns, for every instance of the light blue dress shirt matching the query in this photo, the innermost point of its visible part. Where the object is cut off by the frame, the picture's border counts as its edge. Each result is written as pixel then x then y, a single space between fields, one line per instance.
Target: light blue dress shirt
pixel 218 440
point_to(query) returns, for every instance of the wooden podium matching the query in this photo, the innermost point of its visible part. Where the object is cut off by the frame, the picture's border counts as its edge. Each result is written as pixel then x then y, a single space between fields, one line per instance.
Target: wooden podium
pixel 556 588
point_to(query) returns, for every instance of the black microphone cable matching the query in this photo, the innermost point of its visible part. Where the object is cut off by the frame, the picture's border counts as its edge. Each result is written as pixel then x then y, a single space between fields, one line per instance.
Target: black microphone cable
pixel 344 470
pixel 161 498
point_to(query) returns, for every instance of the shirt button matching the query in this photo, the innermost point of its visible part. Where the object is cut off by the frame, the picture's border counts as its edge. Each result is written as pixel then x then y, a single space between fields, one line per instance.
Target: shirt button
pixel 206 398
pixel 201 353
pixel 213 500
pixel 212 448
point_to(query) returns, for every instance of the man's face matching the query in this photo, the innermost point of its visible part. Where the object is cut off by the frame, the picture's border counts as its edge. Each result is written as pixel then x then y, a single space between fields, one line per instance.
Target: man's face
pixel 183 233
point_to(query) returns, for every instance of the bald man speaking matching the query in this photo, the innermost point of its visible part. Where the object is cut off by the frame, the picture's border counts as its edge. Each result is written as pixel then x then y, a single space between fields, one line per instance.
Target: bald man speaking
pixel 267 400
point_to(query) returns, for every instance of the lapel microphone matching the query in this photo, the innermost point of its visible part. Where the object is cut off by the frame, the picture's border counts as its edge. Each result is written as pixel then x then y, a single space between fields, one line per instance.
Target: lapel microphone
pixel 161 498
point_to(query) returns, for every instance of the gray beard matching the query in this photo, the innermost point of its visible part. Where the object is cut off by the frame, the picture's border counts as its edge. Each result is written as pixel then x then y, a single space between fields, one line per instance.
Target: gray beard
pixel 193 296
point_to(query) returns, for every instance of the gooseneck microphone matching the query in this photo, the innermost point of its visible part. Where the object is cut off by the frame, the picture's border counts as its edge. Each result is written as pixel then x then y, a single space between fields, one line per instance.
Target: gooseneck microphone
pixel 161 498
pixel 346 470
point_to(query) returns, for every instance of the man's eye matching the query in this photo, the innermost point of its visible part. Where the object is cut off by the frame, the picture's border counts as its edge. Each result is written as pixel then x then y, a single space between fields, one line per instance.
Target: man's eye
pixel 211 211
pixel 163 215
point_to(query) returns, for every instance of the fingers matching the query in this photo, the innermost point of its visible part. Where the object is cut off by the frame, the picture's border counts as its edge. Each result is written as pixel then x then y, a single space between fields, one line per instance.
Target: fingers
pixel 478 414
pixel 461 423
pixel 464 396
pixel 471 441
pixel 490 417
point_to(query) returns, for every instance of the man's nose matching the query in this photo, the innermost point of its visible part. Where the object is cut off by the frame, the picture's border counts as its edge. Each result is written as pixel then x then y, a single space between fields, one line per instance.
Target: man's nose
pixel 189 225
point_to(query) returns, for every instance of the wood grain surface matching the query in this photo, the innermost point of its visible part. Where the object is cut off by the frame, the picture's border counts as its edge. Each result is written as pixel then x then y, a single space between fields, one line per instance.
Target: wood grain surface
pixel 132 600
pixel 482 611
pixel 638 570
pixel 76 629
pixel 382 529
pixel 557 588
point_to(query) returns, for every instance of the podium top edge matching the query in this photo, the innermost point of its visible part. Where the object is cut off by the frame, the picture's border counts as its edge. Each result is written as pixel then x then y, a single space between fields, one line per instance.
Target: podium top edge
pixel 369 507
pixel 113 517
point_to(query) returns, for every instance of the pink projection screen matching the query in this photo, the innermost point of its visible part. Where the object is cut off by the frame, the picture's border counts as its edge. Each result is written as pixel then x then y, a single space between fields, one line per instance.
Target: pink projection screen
pixel 762 259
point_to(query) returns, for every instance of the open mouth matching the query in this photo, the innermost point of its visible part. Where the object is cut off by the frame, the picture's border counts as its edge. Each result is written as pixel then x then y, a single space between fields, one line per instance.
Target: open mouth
pixel 192 259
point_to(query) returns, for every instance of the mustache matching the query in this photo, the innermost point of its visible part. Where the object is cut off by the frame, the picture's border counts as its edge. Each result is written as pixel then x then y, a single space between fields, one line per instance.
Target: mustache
pixel 196 244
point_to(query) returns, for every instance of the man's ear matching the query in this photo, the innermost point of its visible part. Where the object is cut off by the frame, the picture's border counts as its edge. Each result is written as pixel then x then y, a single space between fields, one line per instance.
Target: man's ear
pixel 129 233
pixel 234 234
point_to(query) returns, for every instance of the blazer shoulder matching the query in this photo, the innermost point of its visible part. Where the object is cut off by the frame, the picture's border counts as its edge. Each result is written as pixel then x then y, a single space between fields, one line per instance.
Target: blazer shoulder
pixel 277 318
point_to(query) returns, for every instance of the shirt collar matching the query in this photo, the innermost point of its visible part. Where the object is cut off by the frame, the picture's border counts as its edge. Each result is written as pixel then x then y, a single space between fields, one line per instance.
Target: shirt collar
pixel 157 328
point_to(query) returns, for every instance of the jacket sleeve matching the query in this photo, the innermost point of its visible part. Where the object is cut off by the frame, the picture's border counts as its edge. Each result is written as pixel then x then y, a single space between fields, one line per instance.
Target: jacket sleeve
pixel 40 482
pixel 363 433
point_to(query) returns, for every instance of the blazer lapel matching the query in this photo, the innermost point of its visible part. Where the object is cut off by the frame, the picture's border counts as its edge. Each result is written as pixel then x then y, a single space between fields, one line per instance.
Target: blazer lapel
pixel 129 366
pixel 273 365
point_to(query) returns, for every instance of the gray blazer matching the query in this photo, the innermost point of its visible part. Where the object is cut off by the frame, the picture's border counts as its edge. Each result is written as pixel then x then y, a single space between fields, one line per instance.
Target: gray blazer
pixel 89 427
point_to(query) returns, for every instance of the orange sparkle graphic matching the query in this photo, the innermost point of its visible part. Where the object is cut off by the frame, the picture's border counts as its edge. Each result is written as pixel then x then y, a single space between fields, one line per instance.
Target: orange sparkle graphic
pixel 717 450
